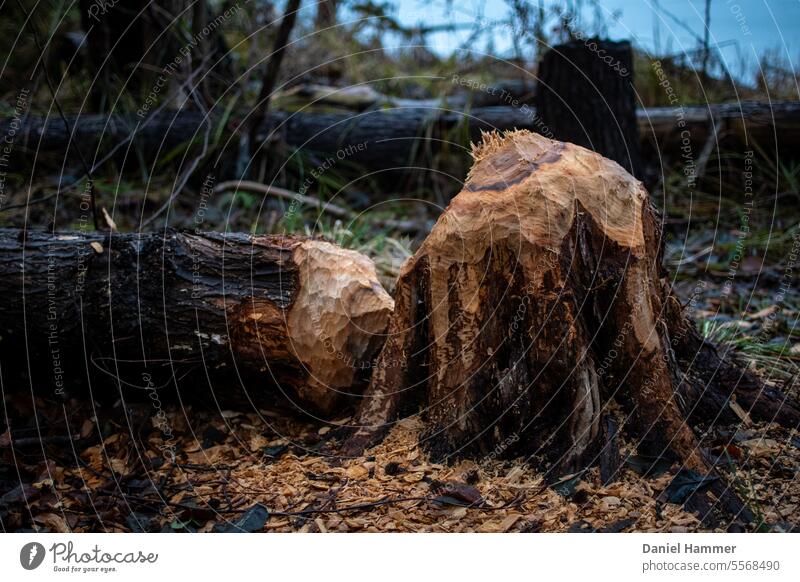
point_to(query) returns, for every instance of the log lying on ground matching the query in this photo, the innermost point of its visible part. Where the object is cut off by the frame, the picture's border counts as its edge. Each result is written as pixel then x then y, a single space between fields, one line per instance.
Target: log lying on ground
pixel 538 299
pixel 300 314
pixel 379 139
pixel 384 139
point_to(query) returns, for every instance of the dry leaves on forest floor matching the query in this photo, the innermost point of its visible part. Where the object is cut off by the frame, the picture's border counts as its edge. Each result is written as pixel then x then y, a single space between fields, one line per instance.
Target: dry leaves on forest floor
pixel 232 473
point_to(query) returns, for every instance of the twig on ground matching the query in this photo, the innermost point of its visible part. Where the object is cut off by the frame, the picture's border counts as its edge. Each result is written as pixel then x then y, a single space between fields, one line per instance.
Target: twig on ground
pixel 326 207
pixel 331 209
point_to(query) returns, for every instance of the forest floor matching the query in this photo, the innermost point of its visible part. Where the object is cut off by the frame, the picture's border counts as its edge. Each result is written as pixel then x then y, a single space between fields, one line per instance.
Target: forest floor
pixel 262 470
pixel 82 465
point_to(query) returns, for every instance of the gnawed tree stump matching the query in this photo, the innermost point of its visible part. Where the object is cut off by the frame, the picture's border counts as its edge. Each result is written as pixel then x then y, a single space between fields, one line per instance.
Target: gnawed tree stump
pixel 299 315
pixel 536 300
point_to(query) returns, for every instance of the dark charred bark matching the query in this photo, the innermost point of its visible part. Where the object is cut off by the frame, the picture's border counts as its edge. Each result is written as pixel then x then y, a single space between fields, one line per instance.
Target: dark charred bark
pixel 376 140
pixel 129 306
pixel 586 96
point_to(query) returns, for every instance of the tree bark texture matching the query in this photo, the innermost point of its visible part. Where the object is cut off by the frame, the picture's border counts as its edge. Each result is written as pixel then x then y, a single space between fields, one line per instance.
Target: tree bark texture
pixel 393 137
pixel 298 315
pixel 539 299
pixel 586 96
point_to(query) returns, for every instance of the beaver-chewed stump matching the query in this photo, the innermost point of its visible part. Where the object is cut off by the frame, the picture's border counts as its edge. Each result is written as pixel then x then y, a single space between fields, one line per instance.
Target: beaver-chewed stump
pixel 539 298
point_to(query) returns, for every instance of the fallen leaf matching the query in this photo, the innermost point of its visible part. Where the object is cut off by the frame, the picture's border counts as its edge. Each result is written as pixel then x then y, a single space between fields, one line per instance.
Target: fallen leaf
pixel 18 494
pixel 509 522
pixel 252 520
pixel 53 522
pixel 357 472
pixel 275 452
pixel 684 484
pixel 760 447
pixel 467 494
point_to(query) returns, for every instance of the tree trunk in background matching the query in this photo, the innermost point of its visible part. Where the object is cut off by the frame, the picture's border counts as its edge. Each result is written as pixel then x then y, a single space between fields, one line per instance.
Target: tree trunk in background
pixel 270 79
pixel 326 14
pixel 586 96
pixel 536 301
pixel 130 42
pixel 297 315
pixel 118 37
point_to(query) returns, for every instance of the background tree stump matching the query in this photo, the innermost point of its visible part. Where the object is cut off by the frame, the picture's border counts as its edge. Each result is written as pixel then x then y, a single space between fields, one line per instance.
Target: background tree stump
pixel 537 300
pixel 585 95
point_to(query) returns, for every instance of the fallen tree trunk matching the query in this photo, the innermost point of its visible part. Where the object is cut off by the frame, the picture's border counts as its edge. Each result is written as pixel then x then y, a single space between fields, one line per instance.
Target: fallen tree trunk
pixel 380 139
pixel 301 315
pixel 536 301
pixel 391 138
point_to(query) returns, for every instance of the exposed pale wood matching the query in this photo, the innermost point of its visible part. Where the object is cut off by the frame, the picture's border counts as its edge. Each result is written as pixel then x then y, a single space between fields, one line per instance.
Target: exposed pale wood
pixel 299 315
pixel 538 298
